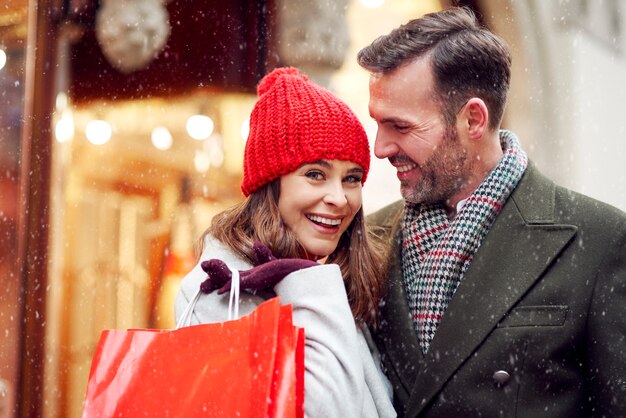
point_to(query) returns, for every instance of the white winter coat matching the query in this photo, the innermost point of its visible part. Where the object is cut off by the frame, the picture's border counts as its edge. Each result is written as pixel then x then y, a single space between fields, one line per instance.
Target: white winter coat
pixel 342 367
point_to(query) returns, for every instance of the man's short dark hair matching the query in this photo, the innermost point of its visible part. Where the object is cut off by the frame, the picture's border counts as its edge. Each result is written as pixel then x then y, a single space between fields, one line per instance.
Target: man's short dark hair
pixel 467 59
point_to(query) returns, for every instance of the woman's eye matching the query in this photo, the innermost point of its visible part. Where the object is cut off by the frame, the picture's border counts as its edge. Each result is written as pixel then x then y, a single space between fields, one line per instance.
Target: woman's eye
pixel 353 179
pixel 314 175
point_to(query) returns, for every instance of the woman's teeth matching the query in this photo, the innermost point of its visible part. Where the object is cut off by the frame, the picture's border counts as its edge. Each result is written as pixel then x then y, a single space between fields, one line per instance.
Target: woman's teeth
pixel 325 221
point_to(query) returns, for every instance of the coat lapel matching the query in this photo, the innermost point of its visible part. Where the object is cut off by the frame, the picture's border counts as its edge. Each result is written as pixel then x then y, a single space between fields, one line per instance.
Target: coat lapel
pixel 521 244
pixel 396 336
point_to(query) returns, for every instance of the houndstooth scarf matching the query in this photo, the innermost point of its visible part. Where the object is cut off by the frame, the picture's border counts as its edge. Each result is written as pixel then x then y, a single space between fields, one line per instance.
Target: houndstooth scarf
pixel 436 252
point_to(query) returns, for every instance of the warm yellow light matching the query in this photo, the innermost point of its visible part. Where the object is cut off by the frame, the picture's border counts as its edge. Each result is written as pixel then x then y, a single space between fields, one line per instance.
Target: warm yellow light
pixel 372 4
pixel 202 161
pixel 3 58
pixel 98 132
pixel 162 138
pixel 214 148
pixel 200 127
pixel 64 128
pixel 216 157
pixel 245 129
pixel 61 101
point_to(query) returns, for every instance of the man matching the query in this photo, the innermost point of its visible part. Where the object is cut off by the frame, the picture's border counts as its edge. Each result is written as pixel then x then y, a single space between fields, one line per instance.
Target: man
pixel 506 293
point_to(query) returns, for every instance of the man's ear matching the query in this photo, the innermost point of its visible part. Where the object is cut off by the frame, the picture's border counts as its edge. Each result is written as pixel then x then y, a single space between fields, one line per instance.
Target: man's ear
pixel 475 117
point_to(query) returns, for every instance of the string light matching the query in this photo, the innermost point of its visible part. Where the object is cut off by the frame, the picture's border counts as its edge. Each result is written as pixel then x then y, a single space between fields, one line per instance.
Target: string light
pixel 3 58
pixel 200 127
pixel 98 132
pixel 202 161
pixel 64 128
pixel 161 138
pixel 245 130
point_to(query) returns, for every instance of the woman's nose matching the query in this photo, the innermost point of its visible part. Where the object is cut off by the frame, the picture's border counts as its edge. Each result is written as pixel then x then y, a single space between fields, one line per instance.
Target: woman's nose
pixel 335 194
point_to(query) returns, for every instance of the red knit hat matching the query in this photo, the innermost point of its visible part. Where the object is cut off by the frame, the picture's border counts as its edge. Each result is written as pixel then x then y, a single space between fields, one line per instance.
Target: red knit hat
pixel 295 122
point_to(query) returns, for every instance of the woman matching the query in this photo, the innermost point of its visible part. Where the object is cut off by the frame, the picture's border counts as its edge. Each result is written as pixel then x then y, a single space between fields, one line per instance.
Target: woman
pixel 305 161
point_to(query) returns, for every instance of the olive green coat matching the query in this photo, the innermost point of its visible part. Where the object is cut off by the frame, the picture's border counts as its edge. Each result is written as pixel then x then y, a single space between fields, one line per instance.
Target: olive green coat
pixel 543 304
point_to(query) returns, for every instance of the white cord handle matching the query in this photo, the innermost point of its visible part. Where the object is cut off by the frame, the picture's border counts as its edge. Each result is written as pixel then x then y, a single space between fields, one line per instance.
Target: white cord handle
pixel 233 302
pixel 185 318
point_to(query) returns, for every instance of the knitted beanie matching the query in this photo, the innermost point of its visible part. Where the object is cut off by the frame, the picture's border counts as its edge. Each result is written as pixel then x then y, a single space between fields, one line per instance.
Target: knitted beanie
pixel 296 122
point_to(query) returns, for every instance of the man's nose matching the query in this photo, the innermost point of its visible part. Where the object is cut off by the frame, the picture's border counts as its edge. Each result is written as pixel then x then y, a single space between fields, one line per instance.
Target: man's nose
pixel 383 147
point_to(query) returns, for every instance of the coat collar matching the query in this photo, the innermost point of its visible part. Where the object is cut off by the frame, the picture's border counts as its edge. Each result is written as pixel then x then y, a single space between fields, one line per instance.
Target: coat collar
pixel 397 334
pixel 504 268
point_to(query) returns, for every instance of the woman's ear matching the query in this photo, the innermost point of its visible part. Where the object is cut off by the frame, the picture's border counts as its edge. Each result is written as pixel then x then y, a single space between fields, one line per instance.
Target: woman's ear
pixel 475 116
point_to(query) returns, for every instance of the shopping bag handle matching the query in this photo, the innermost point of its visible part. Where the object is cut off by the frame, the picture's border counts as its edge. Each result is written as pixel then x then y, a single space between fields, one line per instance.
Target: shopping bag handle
pixel 233 302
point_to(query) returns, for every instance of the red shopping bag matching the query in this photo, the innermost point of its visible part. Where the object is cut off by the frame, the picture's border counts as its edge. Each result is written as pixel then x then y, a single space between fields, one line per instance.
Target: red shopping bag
pixel 250 367
pixel 287 390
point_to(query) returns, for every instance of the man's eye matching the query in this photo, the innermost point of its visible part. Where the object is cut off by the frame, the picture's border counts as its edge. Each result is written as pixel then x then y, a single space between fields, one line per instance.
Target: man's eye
pixel 401 128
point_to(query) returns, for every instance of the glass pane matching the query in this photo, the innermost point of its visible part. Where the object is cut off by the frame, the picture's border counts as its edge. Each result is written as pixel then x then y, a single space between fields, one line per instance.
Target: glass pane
pixel 12 55
pixel 133 184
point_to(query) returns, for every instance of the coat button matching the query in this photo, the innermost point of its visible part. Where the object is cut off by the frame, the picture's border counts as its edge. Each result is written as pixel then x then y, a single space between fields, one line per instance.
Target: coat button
pixel 501 377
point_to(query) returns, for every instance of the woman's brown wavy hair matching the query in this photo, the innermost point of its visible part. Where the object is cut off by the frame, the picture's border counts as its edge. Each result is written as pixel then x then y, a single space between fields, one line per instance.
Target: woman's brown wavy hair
pixel 358 253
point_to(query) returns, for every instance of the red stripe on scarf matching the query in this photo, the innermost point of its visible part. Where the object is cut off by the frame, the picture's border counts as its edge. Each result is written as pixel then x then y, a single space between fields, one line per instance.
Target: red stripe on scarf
pixel 426 316
pixel 419 237
pixel 462 257
pixel 492 202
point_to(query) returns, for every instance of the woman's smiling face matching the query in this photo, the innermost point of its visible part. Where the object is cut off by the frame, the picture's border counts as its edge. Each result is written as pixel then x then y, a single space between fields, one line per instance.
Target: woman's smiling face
pixel 318 201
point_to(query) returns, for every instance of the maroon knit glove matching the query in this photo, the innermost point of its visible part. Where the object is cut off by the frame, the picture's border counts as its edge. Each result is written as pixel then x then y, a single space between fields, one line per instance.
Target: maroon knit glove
pixel 267 273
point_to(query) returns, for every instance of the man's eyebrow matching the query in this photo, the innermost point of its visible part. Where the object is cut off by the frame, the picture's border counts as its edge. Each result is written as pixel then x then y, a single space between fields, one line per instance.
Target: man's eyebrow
pixel 393 119
pixel 389 119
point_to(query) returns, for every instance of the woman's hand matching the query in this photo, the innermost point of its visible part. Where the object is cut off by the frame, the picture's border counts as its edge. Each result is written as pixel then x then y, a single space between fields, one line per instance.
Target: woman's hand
pixel 268 272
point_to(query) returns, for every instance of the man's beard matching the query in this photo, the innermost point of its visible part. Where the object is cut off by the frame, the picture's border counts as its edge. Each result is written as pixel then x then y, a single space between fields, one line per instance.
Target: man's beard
pixel 443 174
